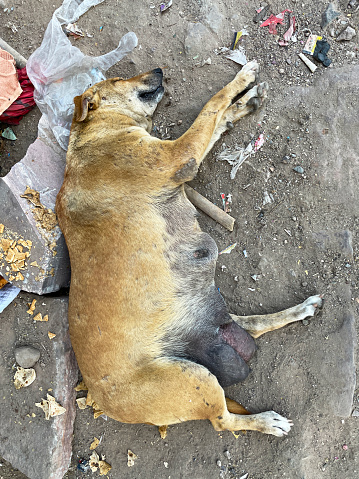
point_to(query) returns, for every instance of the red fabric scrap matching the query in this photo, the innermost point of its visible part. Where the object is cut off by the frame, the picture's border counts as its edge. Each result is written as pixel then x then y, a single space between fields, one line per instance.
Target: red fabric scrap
pixel 23 104
pixel 289 33
pixel 273 20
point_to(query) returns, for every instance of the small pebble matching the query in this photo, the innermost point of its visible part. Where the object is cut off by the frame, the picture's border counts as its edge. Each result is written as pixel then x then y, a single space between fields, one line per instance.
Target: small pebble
pixel 26 356
pixel 298 169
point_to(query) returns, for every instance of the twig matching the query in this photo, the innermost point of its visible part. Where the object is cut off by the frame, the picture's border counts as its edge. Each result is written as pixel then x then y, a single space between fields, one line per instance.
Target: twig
pixel 209 208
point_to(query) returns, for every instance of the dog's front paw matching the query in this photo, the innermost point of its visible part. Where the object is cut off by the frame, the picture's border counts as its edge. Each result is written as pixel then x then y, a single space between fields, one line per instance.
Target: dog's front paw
pixel 270 422
pixel 249 73
pixel 310 306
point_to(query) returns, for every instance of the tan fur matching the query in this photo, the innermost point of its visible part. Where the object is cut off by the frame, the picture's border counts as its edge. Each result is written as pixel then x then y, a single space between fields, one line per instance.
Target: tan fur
pixel 125 308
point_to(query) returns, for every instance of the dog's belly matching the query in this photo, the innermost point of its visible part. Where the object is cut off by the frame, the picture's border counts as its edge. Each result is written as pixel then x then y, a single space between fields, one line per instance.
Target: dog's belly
pixel 204 331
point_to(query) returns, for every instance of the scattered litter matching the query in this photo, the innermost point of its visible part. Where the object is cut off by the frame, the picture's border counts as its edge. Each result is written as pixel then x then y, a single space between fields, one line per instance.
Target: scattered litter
pixel 94 443
pixel 131 456
pixel 165 6
pixel 228 249
pixel 244 476
pixel 347 34
pixel 259 142
pixel 251 289
pixel 288 232
pixel 320 52
pixel 8 293
pixel 81 402
pixel 207 62
pixel 345 447
pixel 311 44
pixel 83 465
pixel 223 267
pixel 223 196
pixel 267 198
pixel 73 30
pixel 237 157
pixel 255 277
pixel 8 134
pixel 165 464
pixel 273 20
pixel 261 13
pixel 245 253
pixel 31 307
pixel 97 412
pixel 237 56
pixel 309 63
pixel 51 335
pixel 24 377
pixel 59 70
pixel 97 463
pixel 50 407
pixel 329 15
pixel 237 37
pixel 289 33
pixel 298 169
pixel 12 27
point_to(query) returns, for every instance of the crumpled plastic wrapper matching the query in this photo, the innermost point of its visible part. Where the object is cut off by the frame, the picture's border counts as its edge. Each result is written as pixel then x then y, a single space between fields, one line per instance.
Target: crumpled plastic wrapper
pixel 24 377
pixel 50 407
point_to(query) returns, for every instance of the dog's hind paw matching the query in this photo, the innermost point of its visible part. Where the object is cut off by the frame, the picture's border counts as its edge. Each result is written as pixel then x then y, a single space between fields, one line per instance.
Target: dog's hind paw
pixel 270 422
pixel 310 306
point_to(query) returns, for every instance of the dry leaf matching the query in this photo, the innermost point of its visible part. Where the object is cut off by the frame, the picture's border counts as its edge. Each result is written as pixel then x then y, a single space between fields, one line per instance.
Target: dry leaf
pixel 105 468
pixel 1 228
pixel 81 386
pixel 50 407
pixel 94 443
pixel 131 456
pixel 24 377
pixel 31 307
pixel 51 335
pixel 163 431
pixel 81 402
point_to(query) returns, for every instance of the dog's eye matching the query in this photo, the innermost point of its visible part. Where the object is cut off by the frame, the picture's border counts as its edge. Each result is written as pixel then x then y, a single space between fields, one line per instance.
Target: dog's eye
pixel 103 98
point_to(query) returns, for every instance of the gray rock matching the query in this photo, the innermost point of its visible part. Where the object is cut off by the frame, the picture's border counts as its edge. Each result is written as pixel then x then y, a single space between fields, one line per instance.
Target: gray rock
pixel 329 15
pixel 213 18
pixel 47 268
pixel 27 356
pixel 336 241
pixel 37 447
pixel 347 34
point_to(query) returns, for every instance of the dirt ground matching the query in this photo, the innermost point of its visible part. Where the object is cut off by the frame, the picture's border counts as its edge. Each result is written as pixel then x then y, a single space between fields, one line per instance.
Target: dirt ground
pixel 277 261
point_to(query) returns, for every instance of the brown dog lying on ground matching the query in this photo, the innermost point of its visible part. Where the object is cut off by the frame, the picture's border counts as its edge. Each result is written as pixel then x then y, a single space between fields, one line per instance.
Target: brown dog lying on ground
pixel 151 333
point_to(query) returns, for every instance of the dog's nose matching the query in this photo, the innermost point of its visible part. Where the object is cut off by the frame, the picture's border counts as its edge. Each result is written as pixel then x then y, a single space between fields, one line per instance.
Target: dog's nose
pixel 158 70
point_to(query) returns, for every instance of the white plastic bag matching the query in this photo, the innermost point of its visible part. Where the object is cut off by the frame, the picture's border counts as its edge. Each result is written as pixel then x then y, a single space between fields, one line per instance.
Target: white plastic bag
pixel 60 71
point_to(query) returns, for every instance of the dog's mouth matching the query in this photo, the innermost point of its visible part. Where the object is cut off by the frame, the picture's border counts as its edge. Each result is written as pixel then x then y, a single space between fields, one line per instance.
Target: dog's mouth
pixel 153 94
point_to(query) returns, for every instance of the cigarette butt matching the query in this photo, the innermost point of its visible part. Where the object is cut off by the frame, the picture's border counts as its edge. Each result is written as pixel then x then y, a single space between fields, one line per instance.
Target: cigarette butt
pixel 309 64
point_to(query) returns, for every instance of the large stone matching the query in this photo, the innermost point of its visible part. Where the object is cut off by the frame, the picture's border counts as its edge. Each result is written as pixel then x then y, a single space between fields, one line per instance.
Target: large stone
pixel 199 40
pixel 37 447
pixel 46 268
pixel 27 356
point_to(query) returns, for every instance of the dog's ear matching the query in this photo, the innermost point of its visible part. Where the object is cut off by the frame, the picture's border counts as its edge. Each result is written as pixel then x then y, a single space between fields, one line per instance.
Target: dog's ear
pixel 83 104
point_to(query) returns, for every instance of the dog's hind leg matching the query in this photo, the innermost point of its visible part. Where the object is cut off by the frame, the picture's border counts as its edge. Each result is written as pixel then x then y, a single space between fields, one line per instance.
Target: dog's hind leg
pixel 177 390
pixel 260 324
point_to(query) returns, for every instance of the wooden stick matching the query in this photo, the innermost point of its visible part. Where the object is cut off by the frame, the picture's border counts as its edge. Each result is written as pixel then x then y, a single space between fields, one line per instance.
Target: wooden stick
pixel 209 208
pixel 19 59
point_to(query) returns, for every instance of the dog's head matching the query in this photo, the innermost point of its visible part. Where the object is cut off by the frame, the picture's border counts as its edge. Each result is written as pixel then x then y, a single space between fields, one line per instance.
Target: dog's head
pixel 136 97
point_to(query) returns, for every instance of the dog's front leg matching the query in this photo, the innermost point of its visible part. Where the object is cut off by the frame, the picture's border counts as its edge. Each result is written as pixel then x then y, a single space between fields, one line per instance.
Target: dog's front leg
pixel 188 151
pixel 260 324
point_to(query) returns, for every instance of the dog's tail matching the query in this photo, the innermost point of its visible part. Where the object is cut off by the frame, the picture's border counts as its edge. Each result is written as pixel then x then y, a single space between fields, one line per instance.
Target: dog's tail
pixel 236 408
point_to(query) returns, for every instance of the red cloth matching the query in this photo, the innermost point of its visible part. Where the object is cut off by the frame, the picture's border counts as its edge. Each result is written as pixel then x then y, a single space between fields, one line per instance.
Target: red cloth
pixel 23 104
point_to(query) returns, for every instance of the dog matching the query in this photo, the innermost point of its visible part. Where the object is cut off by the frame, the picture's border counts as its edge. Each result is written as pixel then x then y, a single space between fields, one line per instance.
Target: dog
pixel 151 333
